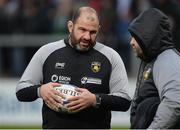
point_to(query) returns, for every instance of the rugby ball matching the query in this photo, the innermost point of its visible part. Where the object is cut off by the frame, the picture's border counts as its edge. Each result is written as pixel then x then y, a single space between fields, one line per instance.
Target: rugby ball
pixel 69 91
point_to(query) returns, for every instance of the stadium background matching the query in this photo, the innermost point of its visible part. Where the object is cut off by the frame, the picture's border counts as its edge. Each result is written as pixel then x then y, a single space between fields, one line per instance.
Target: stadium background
pixel 25 25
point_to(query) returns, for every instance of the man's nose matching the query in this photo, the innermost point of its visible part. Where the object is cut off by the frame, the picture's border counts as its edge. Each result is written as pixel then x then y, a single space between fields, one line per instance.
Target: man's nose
pixel 132 43
pixel 87 35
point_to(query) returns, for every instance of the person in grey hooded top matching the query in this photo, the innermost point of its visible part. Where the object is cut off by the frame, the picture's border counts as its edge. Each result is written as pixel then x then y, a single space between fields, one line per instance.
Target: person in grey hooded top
pixel 156 102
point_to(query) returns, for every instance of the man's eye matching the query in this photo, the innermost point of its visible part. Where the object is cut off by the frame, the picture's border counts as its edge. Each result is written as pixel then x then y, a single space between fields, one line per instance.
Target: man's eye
pixel 93 32
pixel 82 29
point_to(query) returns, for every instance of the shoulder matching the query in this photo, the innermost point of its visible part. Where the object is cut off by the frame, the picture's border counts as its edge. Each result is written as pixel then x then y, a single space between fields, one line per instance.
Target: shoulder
pixel 167 60
pixel 49 48
pixel 166 66
pixel 53 45
pixel 108 52
pixel 102 48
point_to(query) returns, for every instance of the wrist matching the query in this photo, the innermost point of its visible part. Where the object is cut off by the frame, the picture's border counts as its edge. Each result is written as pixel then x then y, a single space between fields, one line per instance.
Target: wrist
pixel 98 101
pixel 39 92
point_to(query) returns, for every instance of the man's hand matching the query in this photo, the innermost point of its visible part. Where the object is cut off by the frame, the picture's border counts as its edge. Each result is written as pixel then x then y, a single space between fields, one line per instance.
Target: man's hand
pixel 84 100
pixel 50 96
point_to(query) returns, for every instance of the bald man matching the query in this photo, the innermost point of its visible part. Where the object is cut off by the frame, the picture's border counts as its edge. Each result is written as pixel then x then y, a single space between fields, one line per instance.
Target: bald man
pixel 79 60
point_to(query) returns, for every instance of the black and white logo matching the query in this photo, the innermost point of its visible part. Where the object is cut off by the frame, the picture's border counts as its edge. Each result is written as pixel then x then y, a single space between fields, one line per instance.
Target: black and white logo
pixel 84 80
pixel 60 65
pixel 60 79
pixel 90 80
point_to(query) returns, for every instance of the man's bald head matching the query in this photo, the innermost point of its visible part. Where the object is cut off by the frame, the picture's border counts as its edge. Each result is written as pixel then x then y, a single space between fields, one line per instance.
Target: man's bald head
pixel 83 29
pixel 91 14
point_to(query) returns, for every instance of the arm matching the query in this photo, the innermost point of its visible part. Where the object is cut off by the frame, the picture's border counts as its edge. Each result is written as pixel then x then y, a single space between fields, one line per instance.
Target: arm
pixel 117 99
pixel 87 99
pixel 28 87
pixel 166 76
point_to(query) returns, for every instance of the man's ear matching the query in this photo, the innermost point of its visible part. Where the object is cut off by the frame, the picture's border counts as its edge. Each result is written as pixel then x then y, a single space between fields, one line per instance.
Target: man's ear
pixel 70 26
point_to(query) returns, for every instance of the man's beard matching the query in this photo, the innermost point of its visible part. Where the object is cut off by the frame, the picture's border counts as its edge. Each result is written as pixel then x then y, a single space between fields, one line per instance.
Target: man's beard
pixel 142 57
pixel 77 47
pixel 76 44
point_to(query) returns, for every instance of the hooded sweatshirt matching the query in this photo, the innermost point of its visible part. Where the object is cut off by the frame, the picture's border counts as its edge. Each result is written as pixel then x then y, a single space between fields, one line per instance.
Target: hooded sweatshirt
pixel 159 74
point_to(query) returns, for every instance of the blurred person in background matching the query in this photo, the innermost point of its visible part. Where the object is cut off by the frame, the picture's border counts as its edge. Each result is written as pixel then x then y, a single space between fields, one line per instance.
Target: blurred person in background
pixel 9 63
pixel 107 32
pixel 123 19
pixel 62 15
pixel 33 19
pixel 82 60
pixel 172 10
pixel 19 18
pixel 156 102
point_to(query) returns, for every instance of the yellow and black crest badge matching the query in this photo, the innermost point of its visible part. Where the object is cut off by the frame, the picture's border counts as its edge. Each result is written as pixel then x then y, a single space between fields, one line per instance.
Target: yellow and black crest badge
pixel 146 74
pixel 95 66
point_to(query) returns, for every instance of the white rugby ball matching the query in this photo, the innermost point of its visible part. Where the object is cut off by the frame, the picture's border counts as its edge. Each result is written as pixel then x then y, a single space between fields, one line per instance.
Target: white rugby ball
pixel 69 91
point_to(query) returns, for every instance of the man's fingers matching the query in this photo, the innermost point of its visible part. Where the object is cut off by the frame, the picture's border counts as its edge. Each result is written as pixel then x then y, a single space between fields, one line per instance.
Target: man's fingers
pixel 80 89
pixel 53 102
pixel 57 98
pixel 76 108
pixel 58 93
pixel 72 103
pixel 73 98
pixel 53 107
pixel 55 84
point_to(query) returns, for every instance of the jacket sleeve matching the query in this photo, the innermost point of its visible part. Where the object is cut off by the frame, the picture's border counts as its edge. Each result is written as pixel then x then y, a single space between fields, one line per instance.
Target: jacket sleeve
pixel 114 103
pixel 28 86
pixel 118 99
pixel 166 75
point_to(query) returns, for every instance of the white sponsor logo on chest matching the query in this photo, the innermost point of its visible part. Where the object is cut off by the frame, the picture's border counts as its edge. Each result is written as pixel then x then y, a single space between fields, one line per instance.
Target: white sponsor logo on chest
pixel 60 79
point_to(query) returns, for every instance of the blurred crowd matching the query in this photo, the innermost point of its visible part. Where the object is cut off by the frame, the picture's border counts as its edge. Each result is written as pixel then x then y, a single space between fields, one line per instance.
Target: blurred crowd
pixel 40 17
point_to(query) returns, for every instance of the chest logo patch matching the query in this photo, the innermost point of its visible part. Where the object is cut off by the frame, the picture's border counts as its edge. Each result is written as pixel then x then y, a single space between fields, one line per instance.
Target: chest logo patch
pixel 95 66
pixel 146 74
pixel 59 65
